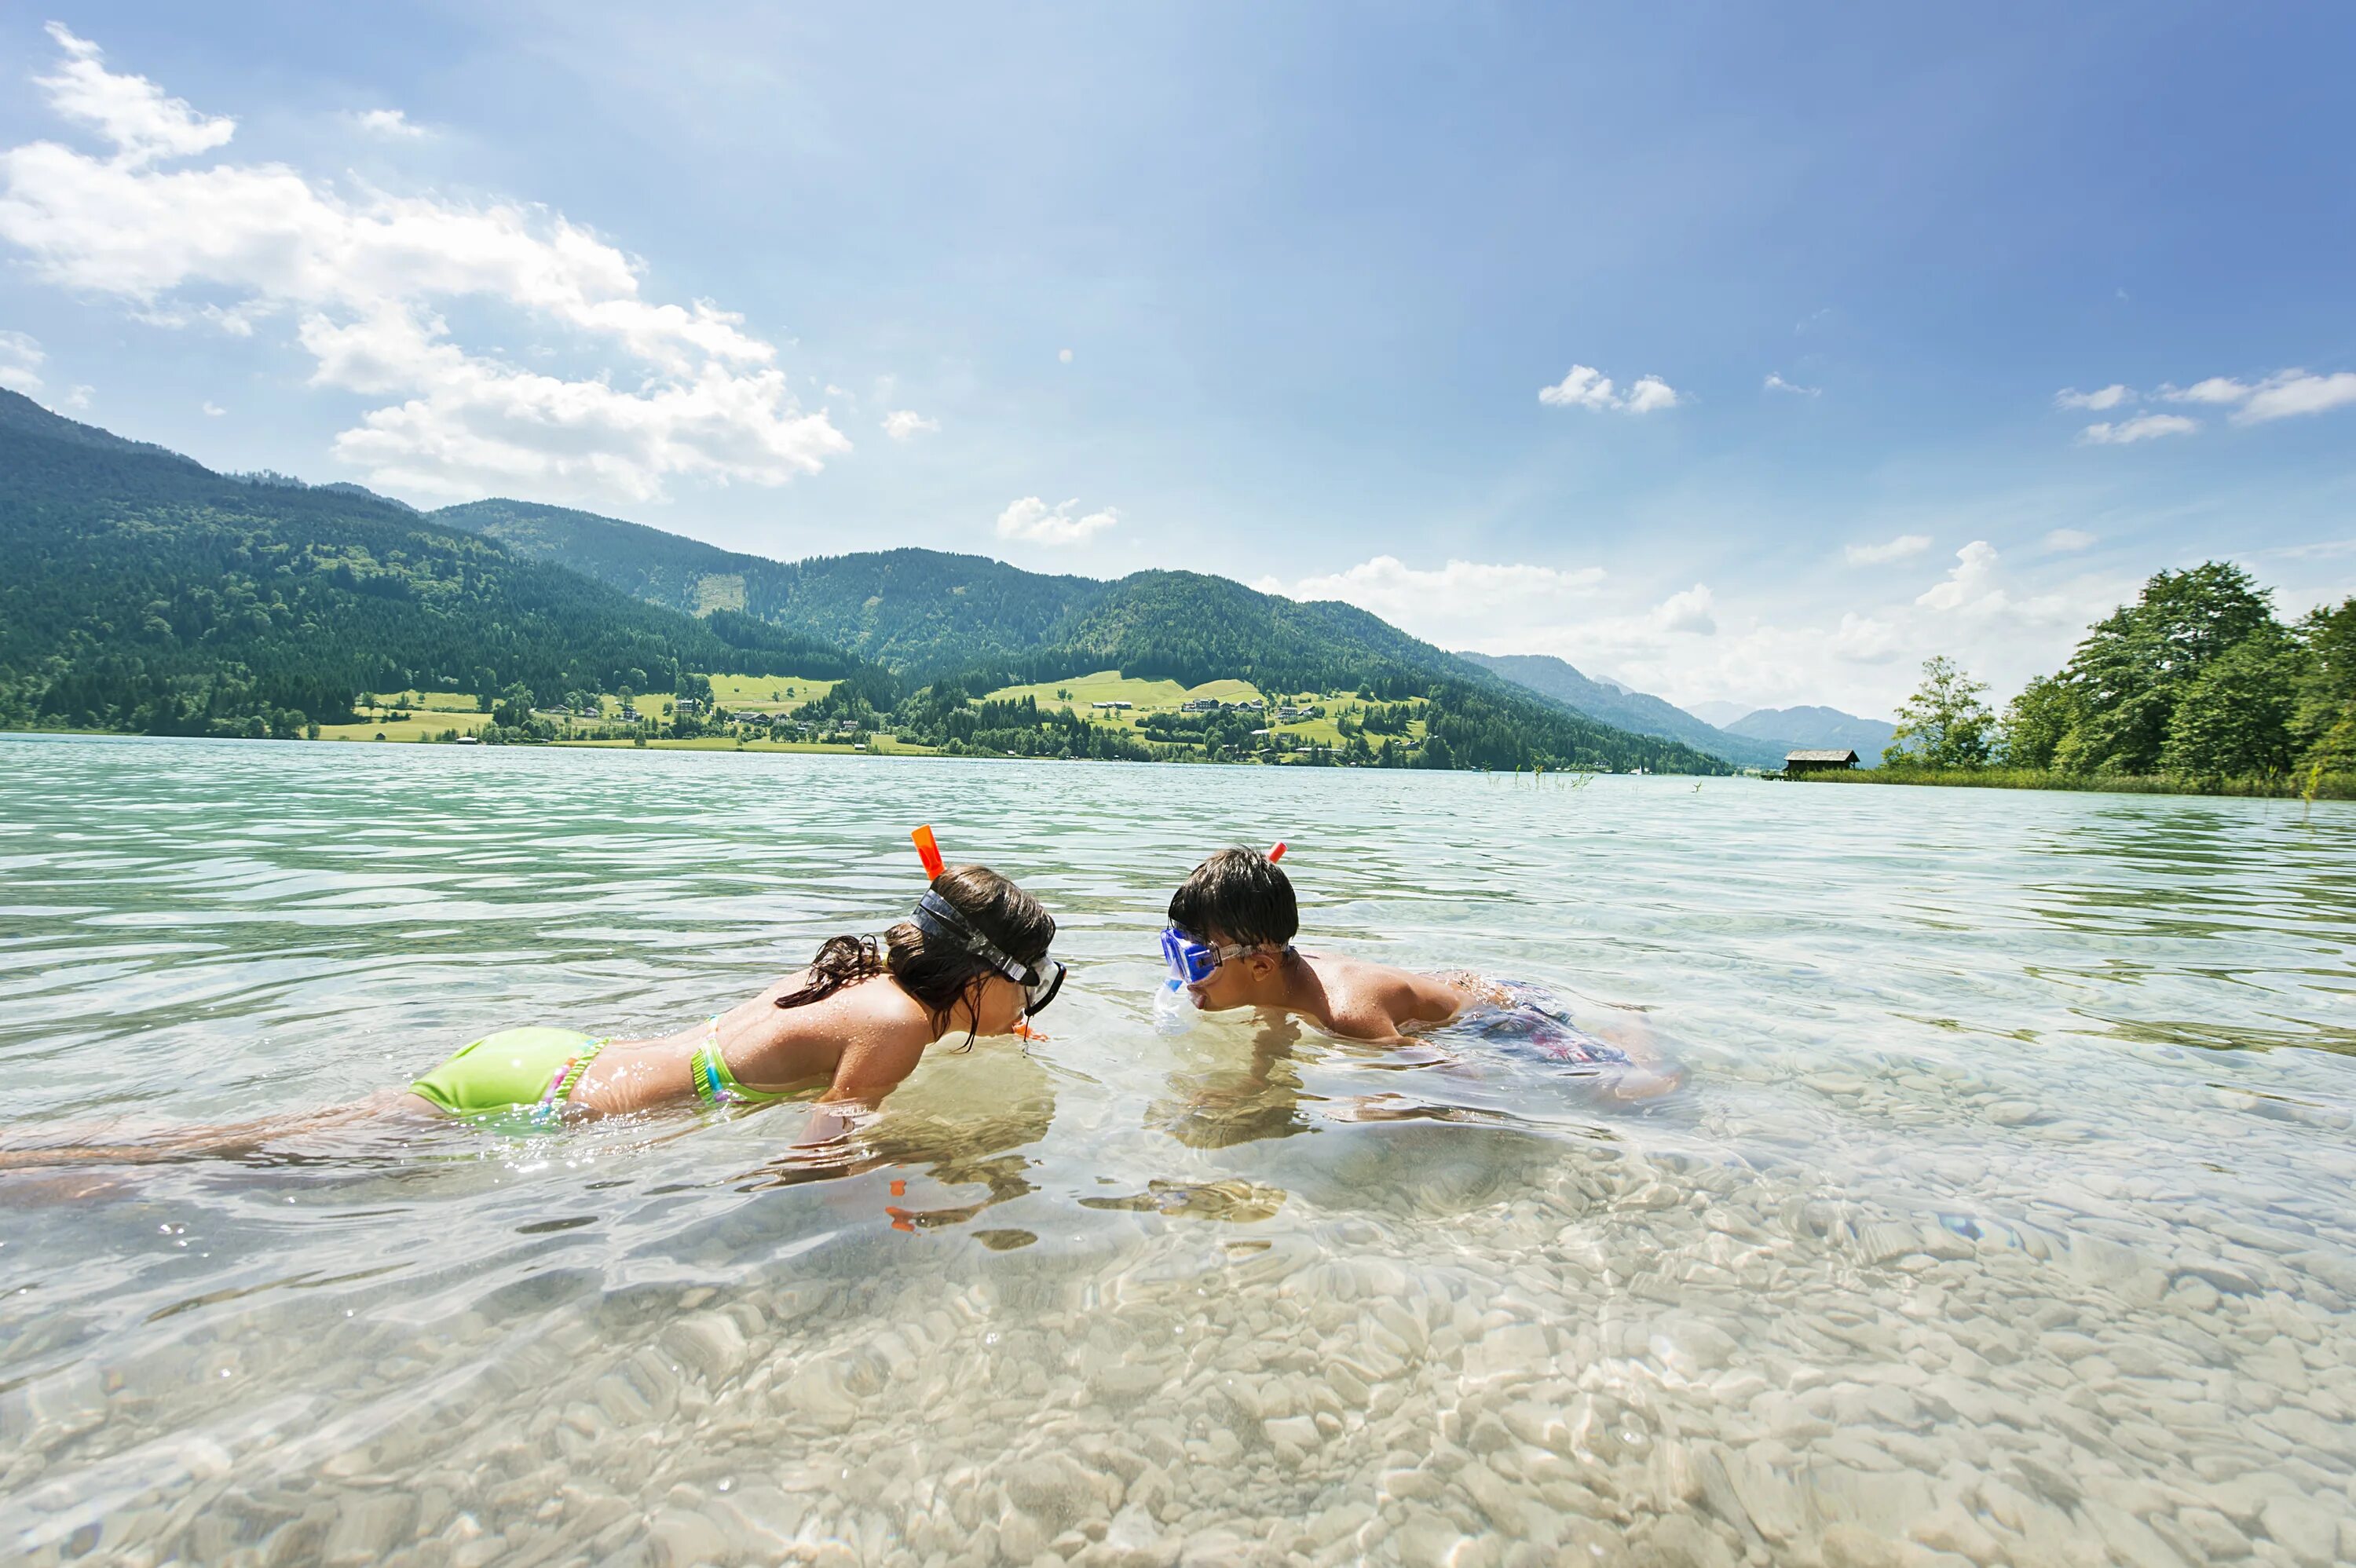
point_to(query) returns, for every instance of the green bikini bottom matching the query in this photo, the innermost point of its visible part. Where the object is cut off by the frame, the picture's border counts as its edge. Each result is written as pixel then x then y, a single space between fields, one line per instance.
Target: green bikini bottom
pixel 527 1069
pixel 535 1069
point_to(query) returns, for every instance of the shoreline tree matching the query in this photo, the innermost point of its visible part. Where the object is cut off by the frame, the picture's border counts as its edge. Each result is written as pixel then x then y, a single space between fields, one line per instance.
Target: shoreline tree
pixel 1945 725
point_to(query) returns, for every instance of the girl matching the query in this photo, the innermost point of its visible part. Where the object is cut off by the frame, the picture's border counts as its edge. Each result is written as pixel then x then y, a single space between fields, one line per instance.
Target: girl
pixel 972 959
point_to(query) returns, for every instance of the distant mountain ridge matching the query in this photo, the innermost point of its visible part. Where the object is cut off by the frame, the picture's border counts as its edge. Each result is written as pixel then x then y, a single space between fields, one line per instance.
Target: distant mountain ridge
pixel 1615 704
pixel 1825 729
pixel 147 593
pixel 932 616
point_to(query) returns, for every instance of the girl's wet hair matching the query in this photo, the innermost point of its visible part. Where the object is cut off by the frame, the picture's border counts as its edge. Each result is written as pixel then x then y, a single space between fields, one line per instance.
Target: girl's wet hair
pixel 937 974
pixel 1242 896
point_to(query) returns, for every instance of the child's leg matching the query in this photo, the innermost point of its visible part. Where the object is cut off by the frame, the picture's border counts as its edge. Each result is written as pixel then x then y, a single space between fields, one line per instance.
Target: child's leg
pixel 388 1109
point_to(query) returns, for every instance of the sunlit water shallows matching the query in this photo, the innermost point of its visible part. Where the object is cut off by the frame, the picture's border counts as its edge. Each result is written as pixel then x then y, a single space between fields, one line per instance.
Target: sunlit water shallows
pixel 2005 1213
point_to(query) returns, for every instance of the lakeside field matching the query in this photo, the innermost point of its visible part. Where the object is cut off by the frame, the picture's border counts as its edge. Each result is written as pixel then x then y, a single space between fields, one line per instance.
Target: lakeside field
pixel 1079 693
pixel 877 746
pixel 767 693
pixel 1111 686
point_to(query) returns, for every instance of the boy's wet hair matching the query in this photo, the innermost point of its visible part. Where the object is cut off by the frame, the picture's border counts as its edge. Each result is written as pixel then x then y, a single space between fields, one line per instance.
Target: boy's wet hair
pixel 1240 895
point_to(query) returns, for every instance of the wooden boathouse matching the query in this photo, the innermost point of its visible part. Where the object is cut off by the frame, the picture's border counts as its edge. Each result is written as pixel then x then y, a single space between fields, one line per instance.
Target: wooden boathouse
pixel 1798 762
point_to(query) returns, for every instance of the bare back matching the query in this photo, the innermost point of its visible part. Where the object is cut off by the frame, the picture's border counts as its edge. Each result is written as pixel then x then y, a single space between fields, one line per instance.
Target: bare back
pixel 857 1043
pixel 1373 1002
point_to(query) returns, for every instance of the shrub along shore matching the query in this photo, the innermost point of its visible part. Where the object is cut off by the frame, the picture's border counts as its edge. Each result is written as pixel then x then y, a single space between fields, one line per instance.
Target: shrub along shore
pixel 2316 785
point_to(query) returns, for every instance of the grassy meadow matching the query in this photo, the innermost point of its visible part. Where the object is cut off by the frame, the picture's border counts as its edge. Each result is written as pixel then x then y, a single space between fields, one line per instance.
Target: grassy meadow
pixel 1111 686
pixel 1167 697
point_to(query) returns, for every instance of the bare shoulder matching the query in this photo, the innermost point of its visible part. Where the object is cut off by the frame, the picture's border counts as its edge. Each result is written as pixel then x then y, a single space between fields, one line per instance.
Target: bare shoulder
pixel 1372 1001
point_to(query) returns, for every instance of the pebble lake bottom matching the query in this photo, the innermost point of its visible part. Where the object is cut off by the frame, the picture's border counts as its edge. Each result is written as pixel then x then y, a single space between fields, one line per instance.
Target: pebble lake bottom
pixel 2003 1216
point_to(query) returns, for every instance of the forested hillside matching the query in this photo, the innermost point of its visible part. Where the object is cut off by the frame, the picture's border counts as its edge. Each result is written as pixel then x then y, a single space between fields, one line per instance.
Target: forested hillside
pixel 972 625
pixel 148 594
pixel 145 593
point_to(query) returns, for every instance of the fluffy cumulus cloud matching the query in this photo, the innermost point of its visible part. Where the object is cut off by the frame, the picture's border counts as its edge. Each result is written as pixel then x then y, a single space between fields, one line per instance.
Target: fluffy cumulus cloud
pixel 141 123
pixel 1587 388
pixel 21 358
pixel 1899 549
pixel 1033 521
pixel 2143 427
pixel 1690 611
pixel 907 424
pixel 362 275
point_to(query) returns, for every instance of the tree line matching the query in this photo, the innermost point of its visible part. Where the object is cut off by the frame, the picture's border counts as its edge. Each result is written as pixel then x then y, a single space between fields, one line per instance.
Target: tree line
pixel 2197 682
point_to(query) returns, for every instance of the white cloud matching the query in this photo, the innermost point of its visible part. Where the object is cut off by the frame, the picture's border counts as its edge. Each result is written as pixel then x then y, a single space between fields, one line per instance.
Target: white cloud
pixel 1775 383
pixel 1690 610
pixel 2143 427
pixel 2290 392
pixel 129 111
pixel 1032 519
pixel 2215 389
pixel 213 410
pixel 1968 583
pixel 1064 355
pixel 1899 549
pixel 77 399
pixel 362 275
pixel 2064 539
pixel 390 122
pixel 1587 388
pixel 21 358
pixel 2282 395
pixel 2109 397
pixel 904 424
pixel 1649 393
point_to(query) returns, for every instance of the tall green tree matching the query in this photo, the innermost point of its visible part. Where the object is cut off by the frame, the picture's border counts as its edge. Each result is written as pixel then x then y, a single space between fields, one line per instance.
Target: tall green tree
pixel 2323 722
pixel 2233 720
pixel 2136 664
pixel 1945 725
pixel 2038 721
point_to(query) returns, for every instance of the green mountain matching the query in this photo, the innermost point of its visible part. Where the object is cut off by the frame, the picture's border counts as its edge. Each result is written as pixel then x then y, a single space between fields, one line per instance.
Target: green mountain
pixel 145 592
pixel 978 624
pixel 1637 710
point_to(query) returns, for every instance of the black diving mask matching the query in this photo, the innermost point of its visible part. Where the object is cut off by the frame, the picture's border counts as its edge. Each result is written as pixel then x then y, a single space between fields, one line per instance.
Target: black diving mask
pixel 935 916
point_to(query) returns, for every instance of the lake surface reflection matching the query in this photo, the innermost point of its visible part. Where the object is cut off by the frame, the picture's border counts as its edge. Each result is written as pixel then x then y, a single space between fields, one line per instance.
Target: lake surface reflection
pixel 2003 1216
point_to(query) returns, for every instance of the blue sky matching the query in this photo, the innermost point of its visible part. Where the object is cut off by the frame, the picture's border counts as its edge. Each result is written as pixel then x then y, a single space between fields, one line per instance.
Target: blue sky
pixel 1923 331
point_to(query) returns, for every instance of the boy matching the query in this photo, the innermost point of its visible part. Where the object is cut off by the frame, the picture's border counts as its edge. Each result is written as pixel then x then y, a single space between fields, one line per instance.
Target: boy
pixel 1230 945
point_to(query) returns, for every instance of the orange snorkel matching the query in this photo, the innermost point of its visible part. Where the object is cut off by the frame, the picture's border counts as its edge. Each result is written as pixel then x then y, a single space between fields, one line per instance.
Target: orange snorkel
pixel 928 850
pixel 1275 854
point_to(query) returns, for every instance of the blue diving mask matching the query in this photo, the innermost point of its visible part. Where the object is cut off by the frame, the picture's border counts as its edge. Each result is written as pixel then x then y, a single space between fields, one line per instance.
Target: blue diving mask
pixel 1192 962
